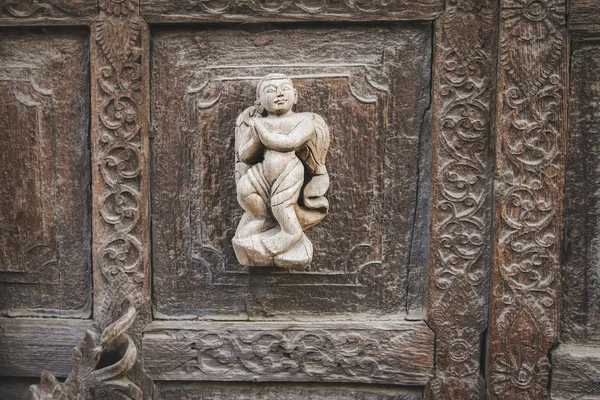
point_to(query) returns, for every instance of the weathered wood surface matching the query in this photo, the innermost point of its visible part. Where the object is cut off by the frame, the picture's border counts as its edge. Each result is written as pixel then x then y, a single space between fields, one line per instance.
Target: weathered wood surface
pixel 460 253
pixel 580 308
pixel 376 110
pixel 529 191
pixel 585 17
pixel 373 352
pixel 119 142
pixel 29 346
pixel 576 373
pixel 47 12
pixel 45 263
pixel 186 11
pixel 13 388
pixel 275 391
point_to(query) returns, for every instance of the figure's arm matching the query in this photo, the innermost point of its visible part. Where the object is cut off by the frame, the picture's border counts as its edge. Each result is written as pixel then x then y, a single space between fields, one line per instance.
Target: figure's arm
pixel 291 141
pixel 251 147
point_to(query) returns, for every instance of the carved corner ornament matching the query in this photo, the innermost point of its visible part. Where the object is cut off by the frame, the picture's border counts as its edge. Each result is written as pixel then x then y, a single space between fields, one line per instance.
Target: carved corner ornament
pixel 281 177
pixel 100 363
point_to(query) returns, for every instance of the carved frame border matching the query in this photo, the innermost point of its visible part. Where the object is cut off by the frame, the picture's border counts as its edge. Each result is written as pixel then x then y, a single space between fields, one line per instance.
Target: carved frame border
pixel 529 161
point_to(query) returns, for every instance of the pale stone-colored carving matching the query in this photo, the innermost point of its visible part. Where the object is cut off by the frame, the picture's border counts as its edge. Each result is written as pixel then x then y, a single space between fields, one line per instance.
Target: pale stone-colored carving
pixel 281 177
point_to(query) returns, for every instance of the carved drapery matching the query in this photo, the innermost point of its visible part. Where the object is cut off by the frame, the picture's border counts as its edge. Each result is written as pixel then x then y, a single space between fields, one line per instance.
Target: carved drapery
pixel 529 185
pixel 119 73
pixel 464 76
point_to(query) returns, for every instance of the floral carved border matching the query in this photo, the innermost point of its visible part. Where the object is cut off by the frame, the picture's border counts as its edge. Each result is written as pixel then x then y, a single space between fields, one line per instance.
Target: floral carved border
pixel 120 119
pixel 529 187
pixel 460 253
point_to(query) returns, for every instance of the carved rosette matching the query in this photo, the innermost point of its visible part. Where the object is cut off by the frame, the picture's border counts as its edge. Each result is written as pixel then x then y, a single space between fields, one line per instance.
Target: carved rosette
pixel 530 168
pixel 119 71
pixel 462 183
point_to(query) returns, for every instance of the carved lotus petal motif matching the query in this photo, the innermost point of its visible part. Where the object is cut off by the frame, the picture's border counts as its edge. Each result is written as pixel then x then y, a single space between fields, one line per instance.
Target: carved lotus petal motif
pixel 461 18
pixel 118 38
pixel 533 45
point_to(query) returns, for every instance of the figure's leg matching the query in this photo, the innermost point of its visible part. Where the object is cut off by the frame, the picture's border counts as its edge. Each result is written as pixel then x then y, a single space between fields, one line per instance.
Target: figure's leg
pixel 282 208
pixel 255 219
pixel 291 230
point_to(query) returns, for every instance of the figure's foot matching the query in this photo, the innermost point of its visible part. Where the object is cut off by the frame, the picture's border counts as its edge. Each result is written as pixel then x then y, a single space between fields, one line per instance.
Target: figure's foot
pixel 280 242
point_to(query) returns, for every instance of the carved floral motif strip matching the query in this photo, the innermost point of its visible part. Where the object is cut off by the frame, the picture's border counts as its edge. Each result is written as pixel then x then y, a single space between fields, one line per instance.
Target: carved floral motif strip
pixel 464 81
pixel 119 72
pixel 528 211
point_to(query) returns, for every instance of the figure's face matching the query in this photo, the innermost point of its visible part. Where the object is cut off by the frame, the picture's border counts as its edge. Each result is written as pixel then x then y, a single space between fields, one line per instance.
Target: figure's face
pixel 278 96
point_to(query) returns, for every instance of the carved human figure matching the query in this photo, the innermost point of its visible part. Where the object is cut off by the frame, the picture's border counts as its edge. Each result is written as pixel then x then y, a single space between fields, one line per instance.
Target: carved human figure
pixel 281 177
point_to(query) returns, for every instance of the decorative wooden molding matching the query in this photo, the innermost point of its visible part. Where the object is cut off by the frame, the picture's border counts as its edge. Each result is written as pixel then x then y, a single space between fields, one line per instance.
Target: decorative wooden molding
pixel 47 12
pixel 529 186
pixel 464 90
pixel 100 363
pixel 178 11
pixel 120 117
pixel 398 353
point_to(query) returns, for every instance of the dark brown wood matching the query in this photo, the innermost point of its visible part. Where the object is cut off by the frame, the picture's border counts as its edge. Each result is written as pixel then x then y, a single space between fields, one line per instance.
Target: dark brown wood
pixel 29 346
pixel 576 373
pixel 585 17
pixel 528 189
pixel 119 142
pixel 460 254
pixel 580 314
pixel 44 162
pixel 375 106
pixel 277 391
pixel 47 12
pixel 372 352
pixel 186 11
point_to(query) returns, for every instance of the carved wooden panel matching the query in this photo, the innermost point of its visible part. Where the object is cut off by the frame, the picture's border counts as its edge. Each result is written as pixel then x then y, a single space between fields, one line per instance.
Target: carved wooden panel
pixel 584 16
pixel 47 12
pixel 268 391
pixel 530 155
pixel 400 353
pixel 371 85
pixel 44 193
pixel 460 257
pixel 289 10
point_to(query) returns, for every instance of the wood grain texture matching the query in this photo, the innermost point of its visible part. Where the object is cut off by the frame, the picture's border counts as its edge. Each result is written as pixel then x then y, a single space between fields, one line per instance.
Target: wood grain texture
pixel 585 17
pixel 460 252
pixel 371 85
pixel 321 352
pixel 529 190
pixel 47 12
pixel 120 174
pixel 576 373
pixel 277 391
pixel 253 11
pixel 45 257
pixel 29 346
pixel 580 307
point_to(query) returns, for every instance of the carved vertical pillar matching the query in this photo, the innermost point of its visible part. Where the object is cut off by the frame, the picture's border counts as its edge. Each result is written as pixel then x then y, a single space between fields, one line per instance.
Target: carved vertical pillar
pixel 119 142
pixel 460 254
pixel 528 191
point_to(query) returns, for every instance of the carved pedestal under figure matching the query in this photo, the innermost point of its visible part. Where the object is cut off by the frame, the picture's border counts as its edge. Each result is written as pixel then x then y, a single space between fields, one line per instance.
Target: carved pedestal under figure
pixel 281 177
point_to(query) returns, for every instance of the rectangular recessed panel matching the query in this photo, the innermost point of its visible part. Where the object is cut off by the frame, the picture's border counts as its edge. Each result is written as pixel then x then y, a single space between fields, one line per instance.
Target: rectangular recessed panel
pixel 371 352
pixel 371 85
pixel 44 184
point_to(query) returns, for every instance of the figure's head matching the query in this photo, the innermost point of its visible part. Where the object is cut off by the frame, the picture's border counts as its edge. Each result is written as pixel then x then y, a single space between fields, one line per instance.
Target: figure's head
pixel 276 94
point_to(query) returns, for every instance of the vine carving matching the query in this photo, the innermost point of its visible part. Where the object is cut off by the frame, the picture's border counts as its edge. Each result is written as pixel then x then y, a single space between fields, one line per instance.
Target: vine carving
pixel 528 212
pixel 460 249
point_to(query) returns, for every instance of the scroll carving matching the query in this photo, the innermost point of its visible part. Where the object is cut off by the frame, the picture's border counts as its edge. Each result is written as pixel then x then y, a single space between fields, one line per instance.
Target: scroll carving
pixel 302 352
pixel 281 177
pixel 47 12
pixel 460 248
pixel 530 165
pixel 100 363
pixel 120 148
